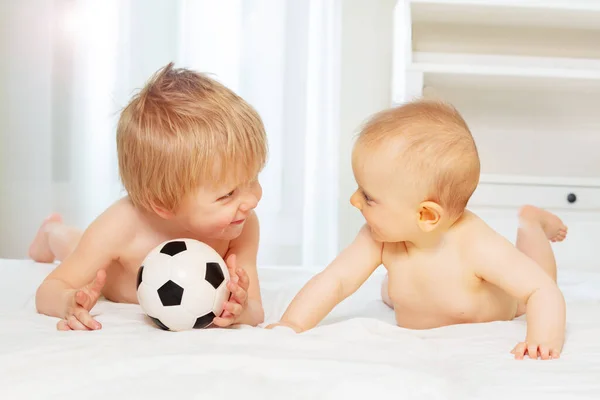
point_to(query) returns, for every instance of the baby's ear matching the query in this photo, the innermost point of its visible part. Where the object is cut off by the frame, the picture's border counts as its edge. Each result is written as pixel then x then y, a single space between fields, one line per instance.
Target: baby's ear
pixel 430 214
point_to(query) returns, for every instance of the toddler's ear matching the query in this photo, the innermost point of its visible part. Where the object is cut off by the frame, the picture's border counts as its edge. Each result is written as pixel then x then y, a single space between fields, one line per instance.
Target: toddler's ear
pixel 430 214
pixel 162 212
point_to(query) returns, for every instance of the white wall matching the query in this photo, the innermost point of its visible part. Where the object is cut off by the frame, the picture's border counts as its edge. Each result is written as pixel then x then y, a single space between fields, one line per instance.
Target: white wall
pixel 25 121
pixel 366 84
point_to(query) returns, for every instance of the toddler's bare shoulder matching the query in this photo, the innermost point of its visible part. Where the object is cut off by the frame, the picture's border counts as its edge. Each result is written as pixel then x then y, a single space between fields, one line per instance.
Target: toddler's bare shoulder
pixel 117 224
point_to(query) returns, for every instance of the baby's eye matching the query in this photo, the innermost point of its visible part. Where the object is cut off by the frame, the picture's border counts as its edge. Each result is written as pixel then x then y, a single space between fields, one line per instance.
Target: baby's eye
pixel 226 196
pixel 366 196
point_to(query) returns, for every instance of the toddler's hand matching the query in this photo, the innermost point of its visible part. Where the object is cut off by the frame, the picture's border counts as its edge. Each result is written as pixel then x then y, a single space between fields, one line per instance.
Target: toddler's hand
pixel 534 348
pixel 80 303
pixel 238 301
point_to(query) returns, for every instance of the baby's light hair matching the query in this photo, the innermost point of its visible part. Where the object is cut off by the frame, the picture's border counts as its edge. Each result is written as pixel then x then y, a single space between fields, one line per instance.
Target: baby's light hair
pixel 184 130
pixel 434 145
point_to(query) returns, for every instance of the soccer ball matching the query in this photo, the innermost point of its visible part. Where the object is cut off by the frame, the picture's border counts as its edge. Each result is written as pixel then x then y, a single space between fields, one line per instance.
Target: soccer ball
pixel 182 284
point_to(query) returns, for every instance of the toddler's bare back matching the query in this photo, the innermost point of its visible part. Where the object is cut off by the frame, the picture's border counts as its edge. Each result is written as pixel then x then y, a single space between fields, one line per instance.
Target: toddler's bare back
pixel 429 289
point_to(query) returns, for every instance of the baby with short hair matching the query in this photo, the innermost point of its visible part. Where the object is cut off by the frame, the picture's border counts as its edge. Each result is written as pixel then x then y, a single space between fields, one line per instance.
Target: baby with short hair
pixel 417 166
pixel 190 151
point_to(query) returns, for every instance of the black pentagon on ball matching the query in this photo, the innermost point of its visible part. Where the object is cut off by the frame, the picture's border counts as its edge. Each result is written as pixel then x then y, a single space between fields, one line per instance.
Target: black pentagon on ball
pixel 170 294
pixel 159 324
pixel 214 274
pixel 204 321
pixel 139 276
pixel 174 247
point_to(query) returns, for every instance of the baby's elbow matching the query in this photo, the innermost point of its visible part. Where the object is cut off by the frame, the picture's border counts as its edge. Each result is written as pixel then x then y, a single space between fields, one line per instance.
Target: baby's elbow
pixel 546 292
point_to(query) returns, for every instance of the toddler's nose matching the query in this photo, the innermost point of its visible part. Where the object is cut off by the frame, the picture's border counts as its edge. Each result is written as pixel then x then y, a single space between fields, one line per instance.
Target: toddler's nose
pixel 249 203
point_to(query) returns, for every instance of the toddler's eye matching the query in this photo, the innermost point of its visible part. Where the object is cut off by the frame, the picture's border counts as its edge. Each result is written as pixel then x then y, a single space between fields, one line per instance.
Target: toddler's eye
pixel 226 196
pixel 366 196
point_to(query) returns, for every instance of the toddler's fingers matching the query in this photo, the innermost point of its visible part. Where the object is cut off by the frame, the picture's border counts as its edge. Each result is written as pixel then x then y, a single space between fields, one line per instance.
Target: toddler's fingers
pixel 239 294
pixel 244 279
pixel 63 325
pixel 554 353
pixel 99 282
pixel 75 324
pixel 231 264
pixel 82 299
pixel 86 319
pixel 233 308
pixel 222 322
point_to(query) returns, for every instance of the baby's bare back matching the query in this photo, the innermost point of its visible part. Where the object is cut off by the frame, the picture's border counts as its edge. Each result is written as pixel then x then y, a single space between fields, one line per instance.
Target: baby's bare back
pixel 122 272
pixel 429 289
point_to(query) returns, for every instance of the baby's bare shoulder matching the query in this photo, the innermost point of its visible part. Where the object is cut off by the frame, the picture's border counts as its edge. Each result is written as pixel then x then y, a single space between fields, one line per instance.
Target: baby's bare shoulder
pixel 479 240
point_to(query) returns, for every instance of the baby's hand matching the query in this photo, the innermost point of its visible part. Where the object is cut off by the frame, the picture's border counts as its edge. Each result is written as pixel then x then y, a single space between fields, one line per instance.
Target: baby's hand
pixel 81 302
pixel 534 348
pixel 284 324
pixel 238 301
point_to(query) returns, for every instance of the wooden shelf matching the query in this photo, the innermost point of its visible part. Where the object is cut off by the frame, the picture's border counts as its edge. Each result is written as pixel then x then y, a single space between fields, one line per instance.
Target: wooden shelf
pixel 573 14
pixel 546 72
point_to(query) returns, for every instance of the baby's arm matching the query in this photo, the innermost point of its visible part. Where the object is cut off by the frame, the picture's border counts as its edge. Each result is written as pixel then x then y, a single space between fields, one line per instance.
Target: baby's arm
pixel 501 264
pixel 72 289
pixel 246 307
pixel 340 279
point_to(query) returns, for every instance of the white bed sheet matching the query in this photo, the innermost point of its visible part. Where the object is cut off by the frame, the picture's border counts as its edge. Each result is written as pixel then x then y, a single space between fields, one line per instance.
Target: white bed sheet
pixel 356 352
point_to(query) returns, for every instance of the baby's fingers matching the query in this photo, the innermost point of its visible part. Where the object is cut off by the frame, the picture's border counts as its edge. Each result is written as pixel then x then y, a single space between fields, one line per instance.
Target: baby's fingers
pixel 519 350
pixel 544 352
pixel 532 350
pixel 554 354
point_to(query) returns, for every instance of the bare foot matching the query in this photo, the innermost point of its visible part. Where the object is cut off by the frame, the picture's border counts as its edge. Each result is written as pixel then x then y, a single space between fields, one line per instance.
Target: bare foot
pixel 553 227
pixel 39 250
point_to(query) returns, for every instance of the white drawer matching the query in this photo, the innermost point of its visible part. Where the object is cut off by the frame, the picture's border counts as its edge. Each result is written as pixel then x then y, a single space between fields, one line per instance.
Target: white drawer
pixel 545 196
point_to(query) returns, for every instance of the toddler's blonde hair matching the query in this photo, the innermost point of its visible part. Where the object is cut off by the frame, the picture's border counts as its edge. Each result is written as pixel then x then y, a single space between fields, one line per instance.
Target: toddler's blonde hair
pixel 184 130
pixel 435 147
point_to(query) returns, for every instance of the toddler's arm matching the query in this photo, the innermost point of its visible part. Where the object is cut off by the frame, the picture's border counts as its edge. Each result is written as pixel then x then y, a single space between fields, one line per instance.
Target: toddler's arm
pixel 340 279
pixel 501 264
pixel 245 305
pixel 59 295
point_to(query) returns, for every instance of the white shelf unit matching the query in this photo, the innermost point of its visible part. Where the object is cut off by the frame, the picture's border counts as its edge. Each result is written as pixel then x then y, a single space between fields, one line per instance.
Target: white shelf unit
pixel 525 74
pixel 543 71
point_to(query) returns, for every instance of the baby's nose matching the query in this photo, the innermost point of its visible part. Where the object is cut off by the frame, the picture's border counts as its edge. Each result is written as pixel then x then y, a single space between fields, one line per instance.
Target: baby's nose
pixel 355 201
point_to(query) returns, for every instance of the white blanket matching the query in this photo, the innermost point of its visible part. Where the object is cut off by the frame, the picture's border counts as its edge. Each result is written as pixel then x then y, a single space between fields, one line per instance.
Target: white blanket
pixel 357 352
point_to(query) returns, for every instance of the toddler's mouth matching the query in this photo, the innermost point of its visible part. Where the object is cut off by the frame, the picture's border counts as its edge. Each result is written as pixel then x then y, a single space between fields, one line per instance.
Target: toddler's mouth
pixel 238 222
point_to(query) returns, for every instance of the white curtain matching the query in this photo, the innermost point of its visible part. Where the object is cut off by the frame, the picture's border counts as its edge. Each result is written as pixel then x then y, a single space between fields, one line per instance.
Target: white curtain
pixel 72 65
